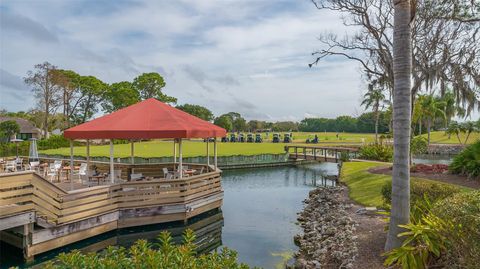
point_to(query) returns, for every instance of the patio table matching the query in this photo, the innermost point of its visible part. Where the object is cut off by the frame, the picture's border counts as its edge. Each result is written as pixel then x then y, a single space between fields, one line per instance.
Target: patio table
pixel 189 172
pixel 98 177
pixel 67 170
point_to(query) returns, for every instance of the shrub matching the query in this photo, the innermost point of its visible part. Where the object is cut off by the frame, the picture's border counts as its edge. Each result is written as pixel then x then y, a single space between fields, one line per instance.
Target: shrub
pixel 419 190
pixel 467 162
pixel 344 156
pixel 418 145
pixel 447 235
pixel 146 255
pixel 53 142
pixel 424 241
pixel 463 210
pixel 377 152
pixel 9 149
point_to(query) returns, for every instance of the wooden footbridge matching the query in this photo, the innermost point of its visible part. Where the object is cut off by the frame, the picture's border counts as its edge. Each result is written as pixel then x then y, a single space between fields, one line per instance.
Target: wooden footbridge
pixel 318 153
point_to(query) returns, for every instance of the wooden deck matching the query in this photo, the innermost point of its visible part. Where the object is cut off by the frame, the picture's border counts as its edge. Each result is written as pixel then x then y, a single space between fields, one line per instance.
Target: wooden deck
pixel 62 217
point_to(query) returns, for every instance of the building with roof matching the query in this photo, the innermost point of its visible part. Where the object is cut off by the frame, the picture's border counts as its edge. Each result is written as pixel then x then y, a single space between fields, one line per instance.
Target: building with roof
pixel 27 129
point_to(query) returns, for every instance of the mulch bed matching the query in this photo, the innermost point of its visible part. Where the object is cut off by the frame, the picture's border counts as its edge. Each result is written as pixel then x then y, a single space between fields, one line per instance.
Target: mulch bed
pixel 441 177
pixel 371 236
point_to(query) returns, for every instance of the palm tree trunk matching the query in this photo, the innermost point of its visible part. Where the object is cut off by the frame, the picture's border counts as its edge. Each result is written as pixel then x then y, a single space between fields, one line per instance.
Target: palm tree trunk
pixel 402 103
pixel 466 139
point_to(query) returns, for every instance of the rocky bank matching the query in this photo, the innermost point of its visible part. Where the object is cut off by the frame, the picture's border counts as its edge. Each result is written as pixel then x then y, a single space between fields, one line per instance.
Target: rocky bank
pixel 328 239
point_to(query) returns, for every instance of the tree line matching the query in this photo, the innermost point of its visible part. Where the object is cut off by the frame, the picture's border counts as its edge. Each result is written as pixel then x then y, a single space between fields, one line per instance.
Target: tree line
pixel 65 98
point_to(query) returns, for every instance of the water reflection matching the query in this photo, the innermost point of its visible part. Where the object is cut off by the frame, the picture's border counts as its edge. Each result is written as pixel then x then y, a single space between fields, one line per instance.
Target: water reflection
pixel 207 228
pixel 260 209
pixel 432 159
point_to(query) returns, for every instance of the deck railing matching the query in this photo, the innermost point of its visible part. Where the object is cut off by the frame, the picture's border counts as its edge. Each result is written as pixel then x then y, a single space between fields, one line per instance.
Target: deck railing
pixel 27 191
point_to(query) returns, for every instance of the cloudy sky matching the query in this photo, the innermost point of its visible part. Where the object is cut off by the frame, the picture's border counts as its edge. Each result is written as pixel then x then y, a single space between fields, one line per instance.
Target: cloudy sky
pixel 249 56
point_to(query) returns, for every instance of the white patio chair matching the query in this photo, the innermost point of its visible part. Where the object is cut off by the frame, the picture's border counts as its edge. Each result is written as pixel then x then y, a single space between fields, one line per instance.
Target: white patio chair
pixel 35 166
pixel 52 172
pixel 137 176
pixel 166 172
pixel 82 171
pixel 117 175
pixel 19 163
pixel 10 166
pixel 201 171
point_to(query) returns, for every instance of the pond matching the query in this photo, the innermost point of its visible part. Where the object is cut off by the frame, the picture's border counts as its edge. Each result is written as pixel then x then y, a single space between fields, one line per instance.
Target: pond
pixel 433 159
pixel 258 217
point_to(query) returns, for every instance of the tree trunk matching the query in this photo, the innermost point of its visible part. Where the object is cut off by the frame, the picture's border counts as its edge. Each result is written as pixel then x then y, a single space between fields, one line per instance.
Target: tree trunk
pixel 45 126
pixel 377 116
pixel 468 136
pixel 402 100
pixel 420 126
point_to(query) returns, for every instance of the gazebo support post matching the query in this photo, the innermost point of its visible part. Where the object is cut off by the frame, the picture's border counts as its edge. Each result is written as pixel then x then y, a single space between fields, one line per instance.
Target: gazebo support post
pixel 112 177
pixel 174 154
pixel 71 164
pixel 208 154
pixel 215 153
pixel 180 159
pixel 88 158
pixel 132 154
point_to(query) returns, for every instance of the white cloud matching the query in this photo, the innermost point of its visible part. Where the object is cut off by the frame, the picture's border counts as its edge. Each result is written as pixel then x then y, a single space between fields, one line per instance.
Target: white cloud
pixel 246 56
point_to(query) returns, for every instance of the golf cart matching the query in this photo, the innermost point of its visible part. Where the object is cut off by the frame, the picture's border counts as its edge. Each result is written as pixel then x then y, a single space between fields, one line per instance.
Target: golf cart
pixel 233 138
pixel 224 139
pixel 258 138
pixel 312 141
pixel 241 138
pixel 250 138
pixel 276 138
pixel 287 138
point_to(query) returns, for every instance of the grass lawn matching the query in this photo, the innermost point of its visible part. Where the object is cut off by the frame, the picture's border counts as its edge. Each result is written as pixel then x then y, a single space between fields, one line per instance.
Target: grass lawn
pixel 364 187
pixel 439 137
pixel 159 148
pixel 193 148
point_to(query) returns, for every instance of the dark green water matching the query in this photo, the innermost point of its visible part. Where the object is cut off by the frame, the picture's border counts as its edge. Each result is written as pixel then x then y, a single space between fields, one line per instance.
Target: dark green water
pixel 258 217
pixel 432 159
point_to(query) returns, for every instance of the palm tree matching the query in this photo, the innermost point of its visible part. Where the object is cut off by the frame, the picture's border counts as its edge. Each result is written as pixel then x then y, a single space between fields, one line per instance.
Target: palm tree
pixel 374 98
pixel 431 108
pixel 468 127
pixel 402 106
pixel 450 107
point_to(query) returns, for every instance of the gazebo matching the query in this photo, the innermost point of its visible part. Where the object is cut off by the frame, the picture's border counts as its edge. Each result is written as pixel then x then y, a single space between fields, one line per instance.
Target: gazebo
pixel 54 216
pixel 149 119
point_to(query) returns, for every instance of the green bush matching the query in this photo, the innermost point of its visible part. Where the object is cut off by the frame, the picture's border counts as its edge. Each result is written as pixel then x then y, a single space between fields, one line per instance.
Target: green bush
pixel 145 255
pixel 377 152
pixel 467 162
pixel 8 149
pixel 419 190
pixel 463 240
pixel 418 145
pixel 424 242
pixel 446 235
pixel 53 142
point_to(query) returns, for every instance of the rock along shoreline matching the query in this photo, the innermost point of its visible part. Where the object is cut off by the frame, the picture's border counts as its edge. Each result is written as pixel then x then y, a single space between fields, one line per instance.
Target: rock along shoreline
pixel 328 239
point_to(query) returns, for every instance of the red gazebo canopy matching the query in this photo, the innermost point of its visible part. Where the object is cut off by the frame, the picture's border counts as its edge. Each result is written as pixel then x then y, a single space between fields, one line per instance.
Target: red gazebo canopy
pixel 145 120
